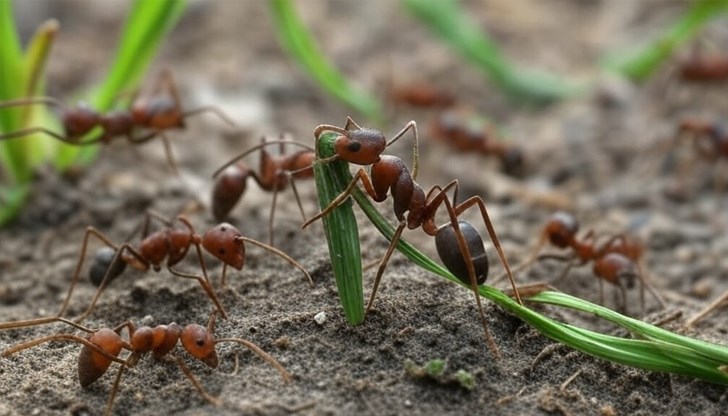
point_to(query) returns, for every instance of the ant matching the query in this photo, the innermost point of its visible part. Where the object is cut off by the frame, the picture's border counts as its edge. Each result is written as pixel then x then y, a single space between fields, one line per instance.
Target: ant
pixel 458 243
pixel 154 115
pixel 615 260
pixel 473 135
pixel 422 95
pixel 274 174
pixel 704 68
pixel 102 346
pixel 224 241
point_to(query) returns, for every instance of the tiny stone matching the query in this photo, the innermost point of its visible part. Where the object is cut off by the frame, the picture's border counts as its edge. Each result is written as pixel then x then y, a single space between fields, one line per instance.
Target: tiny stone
pixel 320 318
pixel 407 403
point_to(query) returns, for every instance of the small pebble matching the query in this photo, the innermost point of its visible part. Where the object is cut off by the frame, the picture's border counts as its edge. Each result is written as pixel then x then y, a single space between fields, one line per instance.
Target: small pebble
pixel 320 318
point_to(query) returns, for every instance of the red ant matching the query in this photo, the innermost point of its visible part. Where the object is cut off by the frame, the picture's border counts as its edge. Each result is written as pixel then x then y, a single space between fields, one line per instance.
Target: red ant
pixel 274 174
pixel 472 135
pixel 617 259
pixel 422 95
pixel 704 68
pixel 155 115
pixel 224 241
pixel 102 346
pixel 413 208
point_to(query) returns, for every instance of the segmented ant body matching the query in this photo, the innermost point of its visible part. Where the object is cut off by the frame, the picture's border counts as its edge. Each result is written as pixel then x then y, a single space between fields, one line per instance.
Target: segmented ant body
pixel 615 261
pixel 471 135
pixel 704 68
pixel 102 346
pixel 145 119
pixel 167 247
pixel 458 243
pixel 422 95
pixel 275 173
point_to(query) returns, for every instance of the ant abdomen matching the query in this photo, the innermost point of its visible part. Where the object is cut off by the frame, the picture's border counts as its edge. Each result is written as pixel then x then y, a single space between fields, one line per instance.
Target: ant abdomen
pixel 102 264
pixel 92 364
pixel 448 249
pixel 227 191
pixel 615 267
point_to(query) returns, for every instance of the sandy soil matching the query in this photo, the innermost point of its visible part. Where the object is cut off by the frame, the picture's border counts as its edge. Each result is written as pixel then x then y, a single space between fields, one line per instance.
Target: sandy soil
pixel 591 155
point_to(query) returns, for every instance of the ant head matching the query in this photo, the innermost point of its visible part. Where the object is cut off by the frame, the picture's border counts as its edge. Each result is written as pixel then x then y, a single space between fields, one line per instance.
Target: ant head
pixel 200 343
pixel 561 229
pixel 158 112
pixel 224 242
pixel 92 364
pixel 361 146
pixel 615 267
pixel 229 187
pixel 79 120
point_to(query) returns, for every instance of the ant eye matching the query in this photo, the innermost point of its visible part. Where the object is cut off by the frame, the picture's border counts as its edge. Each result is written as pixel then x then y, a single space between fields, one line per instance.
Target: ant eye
pixel 354 146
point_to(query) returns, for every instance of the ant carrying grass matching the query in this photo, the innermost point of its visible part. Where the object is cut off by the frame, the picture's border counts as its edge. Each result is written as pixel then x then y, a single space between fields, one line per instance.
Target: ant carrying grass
pixel 101 347
pixel 615 261
pixel 144 120
pixel 458 243
pixel 171 243
pixel 273 175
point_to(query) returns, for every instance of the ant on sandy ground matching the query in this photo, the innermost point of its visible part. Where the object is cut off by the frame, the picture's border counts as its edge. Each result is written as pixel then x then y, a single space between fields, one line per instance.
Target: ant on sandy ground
pixel 421 95
pixel 617 259
pixel 469 134
pixel 224 241
pixel 102 346
pixel 458 243
pixel 145 119
pixel 703 68
pixel 273 175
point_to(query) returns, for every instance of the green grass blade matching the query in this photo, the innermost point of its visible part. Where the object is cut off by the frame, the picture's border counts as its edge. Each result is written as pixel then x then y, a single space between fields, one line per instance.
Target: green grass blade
pixel 639 64
pixel 342 233
pixel 448 20
pixel 299 42
pixel 145 28
pixel 655 349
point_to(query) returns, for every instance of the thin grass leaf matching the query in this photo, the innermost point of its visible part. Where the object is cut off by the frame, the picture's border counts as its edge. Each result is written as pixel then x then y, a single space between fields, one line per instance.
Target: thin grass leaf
pixel 146 26
pixel 449 20
pixel 640 64
pixel 299 42
pixel 655 349
pixel 342 234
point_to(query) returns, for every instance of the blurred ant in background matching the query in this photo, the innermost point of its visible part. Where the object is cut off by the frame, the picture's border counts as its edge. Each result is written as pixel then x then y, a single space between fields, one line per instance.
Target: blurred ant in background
pixel 145 119
pixel 273 175
pixel 703 68
pixel 617 261
pixel 102 346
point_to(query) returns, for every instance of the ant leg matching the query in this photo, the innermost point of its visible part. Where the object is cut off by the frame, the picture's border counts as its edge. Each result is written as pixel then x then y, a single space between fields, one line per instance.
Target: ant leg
pixel 90 231
pixel 476 200
pixel 415 148
pixel 292 181
pixel 168 153
pixel 114 391
pixel 722 299
pixel 281 254
pixel 601 292
pixel 361 175
pixel 222 278
pixel 204 281
pixel 33 130
pixel 262 354
pixel 271 215
pixel 383 264
pixel 205 395
pixel 351 123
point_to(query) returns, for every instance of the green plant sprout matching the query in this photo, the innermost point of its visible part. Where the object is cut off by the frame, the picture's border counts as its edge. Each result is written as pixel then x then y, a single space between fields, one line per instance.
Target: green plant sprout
pixel 435 370
pixel 21 76
pixel 640 64
pixel 299 42
pixel 652 348
pixel 448 19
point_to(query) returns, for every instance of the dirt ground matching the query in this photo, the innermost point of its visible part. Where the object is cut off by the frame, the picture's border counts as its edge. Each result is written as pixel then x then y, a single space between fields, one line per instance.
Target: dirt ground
pixel 597 156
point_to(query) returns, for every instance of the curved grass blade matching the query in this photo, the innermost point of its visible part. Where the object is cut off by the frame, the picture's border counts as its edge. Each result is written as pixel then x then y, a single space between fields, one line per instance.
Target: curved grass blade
pixel 342 234
pixel 447 19
pixel 145 28
pixel 299 42
pixel 639 65
pixel 655 349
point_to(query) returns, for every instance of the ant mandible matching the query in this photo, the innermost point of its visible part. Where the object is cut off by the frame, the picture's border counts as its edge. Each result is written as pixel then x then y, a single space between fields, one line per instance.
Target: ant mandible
pixel 617 259
pixel 102 346
pixel 155 115
pixel 413 208
pixel 224 241
pixel 472 135
pixel 274 174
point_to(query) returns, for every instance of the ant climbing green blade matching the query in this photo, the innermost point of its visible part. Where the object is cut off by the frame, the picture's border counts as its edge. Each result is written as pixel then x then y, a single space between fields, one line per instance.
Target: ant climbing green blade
pixel 342 234
pixel 652 348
